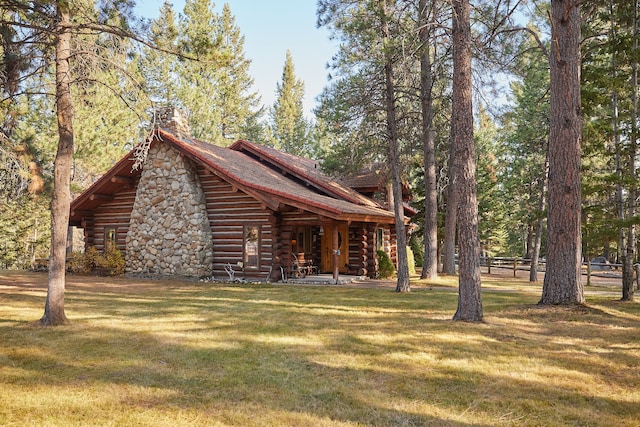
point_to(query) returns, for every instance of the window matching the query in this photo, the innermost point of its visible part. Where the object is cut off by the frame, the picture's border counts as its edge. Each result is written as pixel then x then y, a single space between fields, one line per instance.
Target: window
pixel 251 246
pixel 302 239
pixel 109 239
pixel 379 239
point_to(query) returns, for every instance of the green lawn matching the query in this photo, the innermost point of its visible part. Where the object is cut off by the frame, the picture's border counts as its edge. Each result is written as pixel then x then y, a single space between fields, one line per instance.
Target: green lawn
pixel 159 353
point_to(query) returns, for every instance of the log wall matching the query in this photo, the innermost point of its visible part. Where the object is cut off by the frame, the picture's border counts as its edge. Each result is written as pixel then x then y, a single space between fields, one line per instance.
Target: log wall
pixel 116 214
pixel 229 211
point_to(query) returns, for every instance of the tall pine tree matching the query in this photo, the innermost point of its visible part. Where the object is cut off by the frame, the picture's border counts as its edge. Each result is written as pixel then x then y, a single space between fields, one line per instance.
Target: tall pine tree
pixel 238 103
pixel 198 86
pixel 159 66
pixel 469 293
pixel 288 125
pixel 202 69
pixel 562 283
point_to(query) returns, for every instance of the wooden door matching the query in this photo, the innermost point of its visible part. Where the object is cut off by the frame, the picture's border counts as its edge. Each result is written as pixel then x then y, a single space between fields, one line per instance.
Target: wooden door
pixel 326 259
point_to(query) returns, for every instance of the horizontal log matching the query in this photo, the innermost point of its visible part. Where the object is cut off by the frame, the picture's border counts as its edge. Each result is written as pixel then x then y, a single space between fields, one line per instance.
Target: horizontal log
pixel 96 196
pixel 119 179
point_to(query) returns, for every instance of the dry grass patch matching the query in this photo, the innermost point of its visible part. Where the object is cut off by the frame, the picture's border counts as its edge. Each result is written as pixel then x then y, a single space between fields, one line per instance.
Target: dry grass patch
pixel 170 353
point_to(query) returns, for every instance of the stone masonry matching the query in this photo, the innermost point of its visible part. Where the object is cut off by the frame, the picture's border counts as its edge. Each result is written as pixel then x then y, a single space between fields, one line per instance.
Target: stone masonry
pixel 169 232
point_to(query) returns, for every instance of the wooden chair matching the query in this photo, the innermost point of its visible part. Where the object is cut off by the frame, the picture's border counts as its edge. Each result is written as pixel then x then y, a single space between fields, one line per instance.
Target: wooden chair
pixel 297 270
pixel 274 270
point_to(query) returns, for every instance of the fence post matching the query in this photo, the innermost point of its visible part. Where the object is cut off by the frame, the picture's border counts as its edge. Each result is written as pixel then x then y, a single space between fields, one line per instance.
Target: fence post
pixel 515 267
pixel 489 265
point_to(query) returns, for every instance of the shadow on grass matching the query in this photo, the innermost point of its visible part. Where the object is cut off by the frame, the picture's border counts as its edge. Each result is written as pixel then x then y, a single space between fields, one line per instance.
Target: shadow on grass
pixel 246 355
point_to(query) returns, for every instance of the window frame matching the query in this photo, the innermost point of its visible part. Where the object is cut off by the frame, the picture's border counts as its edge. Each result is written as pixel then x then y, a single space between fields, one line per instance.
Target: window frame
pixel 110 243
pixel 245 253
pixel 380 239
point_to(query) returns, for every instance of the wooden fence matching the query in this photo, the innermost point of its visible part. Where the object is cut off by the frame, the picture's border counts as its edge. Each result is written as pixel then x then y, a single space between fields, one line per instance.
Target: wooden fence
pixel 589 269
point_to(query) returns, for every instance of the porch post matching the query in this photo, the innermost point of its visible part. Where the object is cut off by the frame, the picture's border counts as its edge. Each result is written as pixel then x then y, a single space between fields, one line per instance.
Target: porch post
pixel 336 253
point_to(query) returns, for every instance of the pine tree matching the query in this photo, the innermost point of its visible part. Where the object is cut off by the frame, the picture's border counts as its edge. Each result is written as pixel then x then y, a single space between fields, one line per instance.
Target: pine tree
pixel 160 66
pixel 239 105
pixel 523 153
pixel 289 127
pixel 369 98
pixel 610 148
pixel 430 262
pixel 202 69
pixel 108 108
pixel 469 295
pixel 492 204
pixel 402 282
pixel 199 77
pixel 562 283
pixel 56 33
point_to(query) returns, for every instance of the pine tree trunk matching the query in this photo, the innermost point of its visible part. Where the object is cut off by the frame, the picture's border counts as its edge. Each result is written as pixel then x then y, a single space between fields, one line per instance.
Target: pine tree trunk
pixel 627 268
pixel 562 283
pixel 430 262
pixel 627 272
pixel 626 235
pixel 469 292
pixel 54 306
pixel 535 258
pixel 450 219
pixel 394 161
pixel 529 245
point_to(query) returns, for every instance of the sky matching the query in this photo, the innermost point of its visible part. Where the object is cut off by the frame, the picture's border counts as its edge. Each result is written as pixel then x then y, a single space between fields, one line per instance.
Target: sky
pixel 270 29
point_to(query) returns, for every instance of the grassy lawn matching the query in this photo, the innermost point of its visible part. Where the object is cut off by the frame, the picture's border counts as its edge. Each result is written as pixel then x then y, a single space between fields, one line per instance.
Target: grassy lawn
pixel 160 353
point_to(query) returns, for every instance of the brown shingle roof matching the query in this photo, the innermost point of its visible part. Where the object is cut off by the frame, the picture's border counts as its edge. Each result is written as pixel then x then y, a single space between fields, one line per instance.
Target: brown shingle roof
pixel 239 166
pixel 245 171
pixel 369 179
pixel 305 169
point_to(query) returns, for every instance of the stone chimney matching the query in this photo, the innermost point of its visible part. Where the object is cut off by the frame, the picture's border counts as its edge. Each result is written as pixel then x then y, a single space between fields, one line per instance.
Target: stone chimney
pixel 174 119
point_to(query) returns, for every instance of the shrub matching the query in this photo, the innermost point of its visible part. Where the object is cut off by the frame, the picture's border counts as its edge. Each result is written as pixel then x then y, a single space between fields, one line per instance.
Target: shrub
pixel 75 262
pixel 90 259
pixel 417 246
pixel 385 266
pixel 112 262
pixel 411 260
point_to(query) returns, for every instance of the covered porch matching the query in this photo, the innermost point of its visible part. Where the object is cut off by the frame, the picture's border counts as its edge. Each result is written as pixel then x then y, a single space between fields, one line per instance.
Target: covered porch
pixel 327 250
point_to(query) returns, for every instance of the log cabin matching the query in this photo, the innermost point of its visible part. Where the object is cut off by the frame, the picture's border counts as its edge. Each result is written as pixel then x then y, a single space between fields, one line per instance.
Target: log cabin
pixel 192 208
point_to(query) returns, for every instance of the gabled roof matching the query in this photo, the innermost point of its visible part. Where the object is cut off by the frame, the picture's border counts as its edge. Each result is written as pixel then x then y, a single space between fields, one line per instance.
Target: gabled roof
pixel 304 169
pixel 299 187
pixel 373 178
pixel 369 179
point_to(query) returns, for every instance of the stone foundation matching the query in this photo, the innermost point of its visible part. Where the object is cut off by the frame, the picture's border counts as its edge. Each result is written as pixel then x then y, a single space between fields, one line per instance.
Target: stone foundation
pixel 169 232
